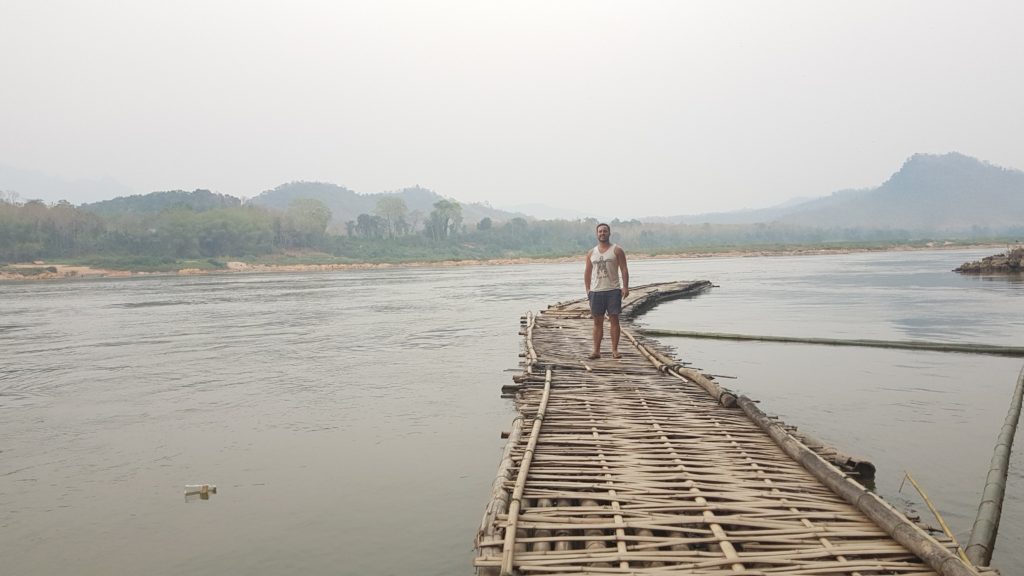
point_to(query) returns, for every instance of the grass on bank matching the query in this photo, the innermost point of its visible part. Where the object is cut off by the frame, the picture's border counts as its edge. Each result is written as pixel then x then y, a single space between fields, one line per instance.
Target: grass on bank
pixel 146 263
pixel 28 271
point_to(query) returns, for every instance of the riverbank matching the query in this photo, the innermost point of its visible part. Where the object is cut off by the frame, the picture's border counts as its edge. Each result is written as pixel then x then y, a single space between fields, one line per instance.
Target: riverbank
pixel 42 270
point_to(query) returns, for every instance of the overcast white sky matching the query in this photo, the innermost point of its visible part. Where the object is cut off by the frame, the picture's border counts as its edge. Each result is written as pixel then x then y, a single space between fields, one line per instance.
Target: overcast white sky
pixel 638 107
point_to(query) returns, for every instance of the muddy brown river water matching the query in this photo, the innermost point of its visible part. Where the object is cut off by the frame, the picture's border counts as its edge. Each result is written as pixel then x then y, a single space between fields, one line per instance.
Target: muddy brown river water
pixel 351 420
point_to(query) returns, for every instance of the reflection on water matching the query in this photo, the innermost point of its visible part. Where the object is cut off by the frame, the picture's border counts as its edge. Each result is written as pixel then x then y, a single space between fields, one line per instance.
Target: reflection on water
pixel 1011 278
pixel 352 419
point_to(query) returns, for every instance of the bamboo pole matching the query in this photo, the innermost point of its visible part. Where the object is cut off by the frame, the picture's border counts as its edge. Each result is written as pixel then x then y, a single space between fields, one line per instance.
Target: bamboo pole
pixel 888 518
pixel 612 494
pixel 524 469
pixel 935 512
pixel 986 524
pixel 563 542
pixel 542 535
pixel 531 320
pixel 499 499
pixel 901 344
pixel 662 292
pixel 663 364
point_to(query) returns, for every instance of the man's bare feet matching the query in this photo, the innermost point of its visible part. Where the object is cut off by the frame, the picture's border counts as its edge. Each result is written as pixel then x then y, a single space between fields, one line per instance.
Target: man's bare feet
pixel 615 354
pixel 594 356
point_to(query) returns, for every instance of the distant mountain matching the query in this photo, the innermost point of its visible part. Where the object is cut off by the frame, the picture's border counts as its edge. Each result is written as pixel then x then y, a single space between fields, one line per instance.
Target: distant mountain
pixel 197 201
pixel 948 193
pixel 347 205
pixel 32 185
pixel 545 212
pixel 746 216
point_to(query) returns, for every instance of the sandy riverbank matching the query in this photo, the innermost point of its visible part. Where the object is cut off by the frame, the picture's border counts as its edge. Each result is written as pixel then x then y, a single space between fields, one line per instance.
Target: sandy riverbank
pixel 46 271
pixel 40 270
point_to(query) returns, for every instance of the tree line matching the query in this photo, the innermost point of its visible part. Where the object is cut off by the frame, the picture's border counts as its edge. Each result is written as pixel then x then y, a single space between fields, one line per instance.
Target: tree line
pixel 201 226
pixel 181 225
pixel 33 230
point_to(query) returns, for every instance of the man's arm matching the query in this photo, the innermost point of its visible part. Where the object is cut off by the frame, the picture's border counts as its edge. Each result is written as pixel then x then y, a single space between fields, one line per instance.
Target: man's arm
pixel 620 257
pixel 588 269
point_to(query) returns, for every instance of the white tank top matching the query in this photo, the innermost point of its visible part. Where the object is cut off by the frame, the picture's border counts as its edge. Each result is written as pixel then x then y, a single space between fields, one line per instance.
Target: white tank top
pixel 605 275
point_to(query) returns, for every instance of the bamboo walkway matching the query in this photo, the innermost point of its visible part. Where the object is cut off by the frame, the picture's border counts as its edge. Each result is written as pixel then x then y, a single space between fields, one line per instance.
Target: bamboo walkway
pixel 641 465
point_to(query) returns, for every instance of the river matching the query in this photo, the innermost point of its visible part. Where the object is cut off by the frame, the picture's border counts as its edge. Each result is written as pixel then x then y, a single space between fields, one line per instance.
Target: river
pixel 351 420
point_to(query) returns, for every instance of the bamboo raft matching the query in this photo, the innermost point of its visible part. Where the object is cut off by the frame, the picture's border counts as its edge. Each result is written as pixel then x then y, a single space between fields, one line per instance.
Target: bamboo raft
pixel 641 465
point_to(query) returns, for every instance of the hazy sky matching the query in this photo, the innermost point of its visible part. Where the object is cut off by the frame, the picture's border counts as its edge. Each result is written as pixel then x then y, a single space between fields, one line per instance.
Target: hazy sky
pixel 638 108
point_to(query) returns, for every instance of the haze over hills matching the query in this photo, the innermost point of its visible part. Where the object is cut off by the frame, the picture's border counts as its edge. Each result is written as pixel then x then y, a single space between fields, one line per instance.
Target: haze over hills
pixel 949 192
pixel 347 205
pixel 344 204
pixel 941 193
pixel 950 198
pixel 744 216
pixel 32 185
pixel 545 212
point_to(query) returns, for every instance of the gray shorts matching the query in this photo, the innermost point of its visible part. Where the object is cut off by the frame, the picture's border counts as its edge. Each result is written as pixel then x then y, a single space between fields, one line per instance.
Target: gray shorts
pixel 607 302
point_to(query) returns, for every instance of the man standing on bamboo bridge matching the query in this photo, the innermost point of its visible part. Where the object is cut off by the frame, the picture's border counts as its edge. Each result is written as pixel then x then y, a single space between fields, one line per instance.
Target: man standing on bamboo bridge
pixel 605 290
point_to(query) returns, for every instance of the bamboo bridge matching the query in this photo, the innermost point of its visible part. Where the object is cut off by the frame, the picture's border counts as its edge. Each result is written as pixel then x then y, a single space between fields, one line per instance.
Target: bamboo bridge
pixel 641 465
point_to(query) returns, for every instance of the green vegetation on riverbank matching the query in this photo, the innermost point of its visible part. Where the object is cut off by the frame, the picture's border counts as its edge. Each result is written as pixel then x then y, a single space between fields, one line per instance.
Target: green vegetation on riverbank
pixel 146 264
pixel 293 260
pixel 201 231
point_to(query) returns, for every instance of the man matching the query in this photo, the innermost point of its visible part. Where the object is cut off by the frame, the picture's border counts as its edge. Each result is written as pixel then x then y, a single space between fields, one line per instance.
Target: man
pixel 606 291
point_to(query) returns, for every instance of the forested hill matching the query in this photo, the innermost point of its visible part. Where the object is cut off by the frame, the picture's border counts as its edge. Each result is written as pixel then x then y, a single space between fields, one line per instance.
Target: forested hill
pixel 196 201
pixel 346 205
pixel 944 193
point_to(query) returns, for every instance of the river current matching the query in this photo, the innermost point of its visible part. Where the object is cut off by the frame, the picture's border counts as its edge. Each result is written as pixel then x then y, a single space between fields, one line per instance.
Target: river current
pixel 351 420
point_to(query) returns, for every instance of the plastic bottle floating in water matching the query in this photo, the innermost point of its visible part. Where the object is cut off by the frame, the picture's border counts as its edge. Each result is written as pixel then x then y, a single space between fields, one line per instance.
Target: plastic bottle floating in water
pixel 202 491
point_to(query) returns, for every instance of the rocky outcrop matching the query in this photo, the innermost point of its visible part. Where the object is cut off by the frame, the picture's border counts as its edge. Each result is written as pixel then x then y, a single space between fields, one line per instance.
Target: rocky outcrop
pixel 1011 261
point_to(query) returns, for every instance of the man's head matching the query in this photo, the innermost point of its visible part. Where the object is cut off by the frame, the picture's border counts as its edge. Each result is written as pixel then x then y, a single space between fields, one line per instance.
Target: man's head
pixel 604 232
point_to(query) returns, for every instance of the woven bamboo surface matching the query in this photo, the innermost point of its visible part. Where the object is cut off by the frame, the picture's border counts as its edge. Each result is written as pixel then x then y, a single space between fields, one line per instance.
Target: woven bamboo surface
pixel 615 467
